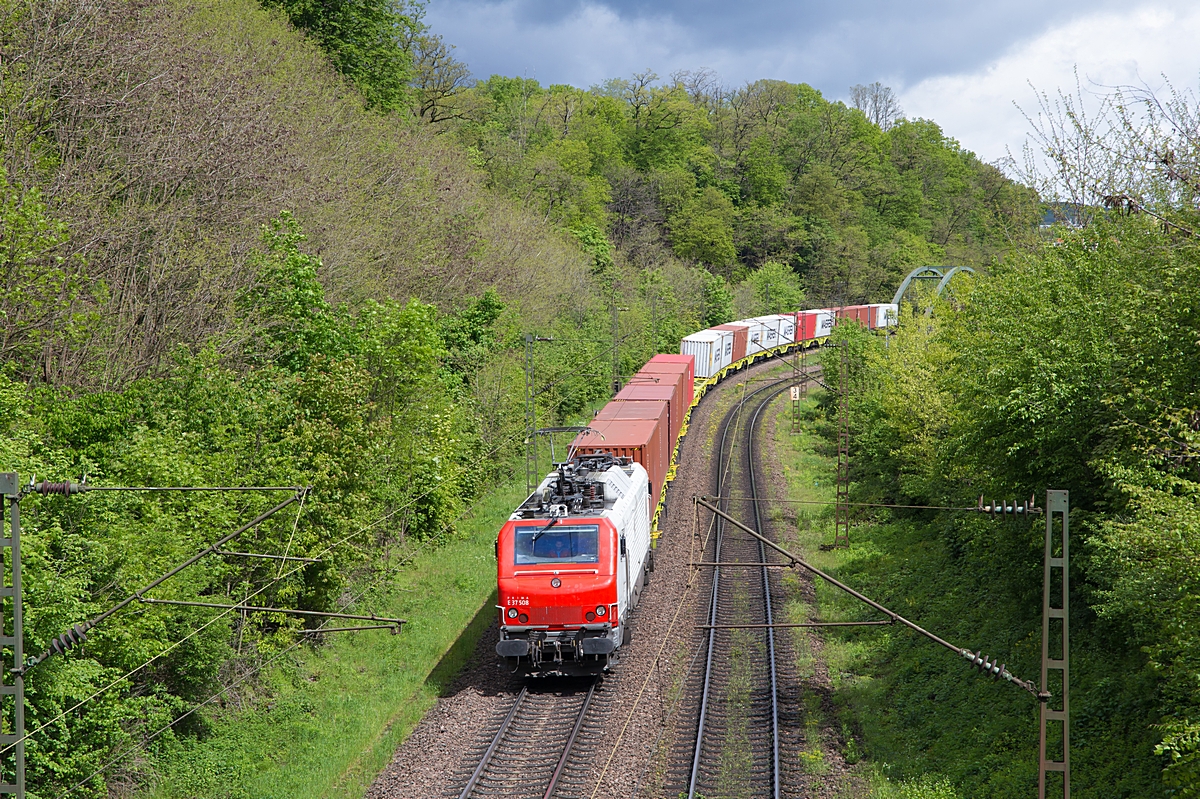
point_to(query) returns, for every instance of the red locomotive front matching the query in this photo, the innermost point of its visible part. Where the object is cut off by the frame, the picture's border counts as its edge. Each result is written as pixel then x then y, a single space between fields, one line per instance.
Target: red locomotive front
pixel 570 563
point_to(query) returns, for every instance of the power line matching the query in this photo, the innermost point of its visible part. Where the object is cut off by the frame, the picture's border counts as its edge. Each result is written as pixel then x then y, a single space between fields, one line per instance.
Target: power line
pixel 72 488
pixel 146 741
pixel 78 633
pixel 742 498
pixel 496 449
pixel 1018 509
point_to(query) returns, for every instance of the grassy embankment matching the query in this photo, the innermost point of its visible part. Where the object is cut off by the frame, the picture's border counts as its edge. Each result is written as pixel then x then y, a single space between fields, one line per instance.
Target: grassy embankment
pixel 335 715
pixel 851 658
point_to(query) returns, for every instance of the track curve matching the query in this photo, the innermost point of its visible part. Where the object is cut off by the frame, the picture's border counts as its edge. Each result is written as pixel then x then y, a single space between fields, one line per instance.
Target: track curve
pixel 735 746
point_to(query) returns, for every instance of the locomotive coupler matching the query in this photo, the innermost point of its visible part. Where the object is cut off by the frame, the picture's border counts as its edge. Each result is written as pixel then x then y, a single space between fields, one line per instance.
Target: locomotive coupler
pixel 535 646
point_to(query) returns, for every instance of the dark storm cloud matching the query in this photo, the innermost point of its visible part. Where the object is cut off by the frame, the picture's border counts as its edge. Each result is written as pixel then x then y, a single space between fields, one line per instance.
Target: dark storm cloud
pixel 831 45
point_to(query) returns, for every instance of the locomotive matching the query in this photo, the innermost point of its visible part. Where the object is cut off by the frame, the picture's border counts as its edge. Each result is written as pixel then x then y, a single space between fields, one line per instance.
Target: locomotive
pixel 572 562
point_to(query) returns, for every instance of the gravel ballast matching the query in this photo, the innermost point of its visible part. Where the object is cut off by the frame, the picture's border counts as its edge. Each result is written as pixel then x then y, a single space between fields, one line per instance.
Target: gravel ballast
pixel 639 693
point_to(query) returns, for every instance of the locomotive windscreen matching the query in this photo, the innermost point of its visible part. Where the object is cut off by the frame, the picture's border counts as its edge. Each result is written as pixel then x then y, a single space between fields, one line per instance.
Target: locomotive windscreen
pixel 561 543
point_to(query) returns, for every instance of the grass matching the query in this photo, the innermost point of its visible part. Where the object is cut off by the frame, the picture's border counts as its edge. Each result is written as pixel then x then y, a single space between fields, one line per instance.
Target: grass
pixel 331 718
pixel 809 475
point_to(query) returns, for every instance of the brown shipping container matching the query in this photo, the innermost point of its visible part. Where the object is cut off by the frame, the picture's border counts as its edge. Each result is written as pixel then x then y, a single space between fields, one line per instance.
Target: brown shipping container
pixel 672 358
pixel 669 394
pixel 859 313
pixel 740 336
pixel 660 368
pixel 652 410
pixel 664 375
pixel 643 440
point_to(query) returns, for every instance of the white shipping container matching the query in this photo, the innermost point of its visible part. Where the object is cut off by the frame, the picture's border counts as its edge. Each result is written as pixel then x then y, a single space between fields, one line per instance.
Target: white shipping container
pixel 787 328
pixel 886 314
pixel 710 348
pixel 784 326
pixel 758 335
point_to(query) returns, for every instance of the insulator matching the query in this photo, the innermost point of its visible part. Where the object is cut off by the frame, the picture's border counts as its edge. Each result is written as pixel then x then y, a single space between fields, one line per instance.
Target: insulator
pixel 46 487
pixel 71 638
pixel 984 664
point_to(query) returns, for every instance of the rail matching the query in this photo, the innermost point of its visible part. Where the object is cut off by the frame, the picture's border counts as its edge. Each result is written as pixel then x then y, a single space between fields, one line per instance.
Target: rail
pixel 509 762
pixel 771 390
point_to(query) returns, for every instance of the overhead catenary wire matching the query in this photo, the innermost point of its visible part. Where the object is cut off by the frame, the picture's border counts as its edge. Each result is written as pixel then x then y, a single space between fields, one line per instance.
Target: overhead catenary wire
pixel 998 671
pixel 78 633
pixel 496 449
pixel 167 650
pixel 691 583
pixel 112 684
pixel 226 689
pixel 577 372
pixel 832 502
pixel 862 504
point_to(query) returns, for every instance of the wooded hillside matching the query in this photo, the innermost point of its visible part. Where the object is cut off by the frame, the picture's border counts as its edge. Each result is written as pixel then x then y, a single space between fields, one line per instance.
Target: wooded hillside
pixel 1074 365
pixel 240 252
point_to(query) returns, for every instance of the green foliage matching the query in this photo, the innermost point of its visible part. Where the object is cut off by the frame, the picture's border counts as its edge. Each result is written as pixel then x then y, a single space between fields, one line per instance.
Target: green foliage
pixel 473 327
pixel 1181 745
pixel 286 302
pixel 252 113
pixel 46 293
pixel 718 301
pixel 922 788
pixel 703 229
pixel 365 41
pixel 771 173
pixel 1072 365
pixel 596 244
pixel 222 359
pixel 773 288
pixel 355 405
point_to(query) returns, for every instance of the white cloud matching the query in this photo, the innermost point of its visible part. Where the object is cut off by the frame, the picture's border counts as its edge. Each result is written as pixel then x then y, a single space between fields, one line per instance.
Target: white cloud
pixel 588 42
pixel 1132 47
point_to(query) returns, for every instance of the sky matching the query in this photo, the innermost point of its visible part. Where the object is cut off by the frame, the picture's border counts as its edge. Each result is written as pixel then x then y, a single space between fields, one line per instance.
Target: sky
pixel 976 68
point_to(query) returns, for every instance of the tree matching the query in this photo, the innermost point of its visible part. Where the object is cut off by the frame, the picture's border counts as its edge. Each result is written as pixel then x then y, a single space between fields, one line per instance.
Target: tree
pixel 438 78
pixel 1127 149
pixel 703 229
pixel 365 41
pixel 878 102
pixel 286 302
pixel 774 289
pixel 42 306
pixel 718 300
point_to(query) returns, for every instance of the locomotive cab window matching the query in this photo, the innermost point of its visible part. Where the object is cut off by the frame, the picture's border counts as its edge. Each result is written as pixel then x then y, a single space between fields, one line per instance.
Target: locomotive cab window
pixel 559 544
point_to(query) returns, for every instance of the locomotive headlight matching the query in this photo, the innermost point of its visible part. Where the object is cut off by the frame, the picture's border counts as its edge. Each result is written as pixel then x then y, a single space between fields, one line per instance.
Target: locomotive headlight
pixel 512 613
pixel 555 583
pixel 601 610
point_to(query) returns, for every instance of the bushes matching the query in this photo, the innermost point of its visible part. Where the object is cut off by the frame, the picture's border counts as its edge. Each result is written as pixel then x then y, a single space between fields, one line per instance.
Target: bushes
pixel 355 405
pixel 1073 365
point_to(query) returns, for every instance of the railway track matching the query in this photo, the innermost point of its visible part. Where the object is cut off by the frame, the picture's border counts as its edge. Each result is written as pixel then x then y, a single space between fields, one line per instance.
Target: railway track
pixel 541 747
pixel 530 753
pixel 741 725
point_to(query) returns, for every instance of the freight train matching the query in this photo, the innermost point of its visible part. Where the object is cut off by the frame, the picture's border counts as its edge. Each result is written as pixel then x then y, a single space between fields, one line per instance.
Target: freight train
pixel 574 558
